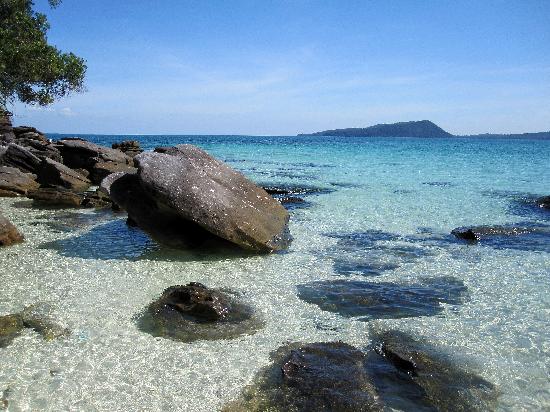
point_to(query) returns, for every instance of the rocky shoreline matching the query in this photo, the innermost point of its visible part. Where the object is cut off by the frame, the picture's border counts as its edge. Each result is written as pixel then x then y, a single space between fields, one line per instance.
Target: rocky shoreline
pixel 183 197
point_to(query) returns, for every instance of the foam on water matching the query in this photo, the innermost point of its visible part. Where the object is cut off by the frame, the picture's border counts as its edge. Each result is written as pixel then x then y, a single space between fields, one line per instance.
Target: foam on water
pixel 97 274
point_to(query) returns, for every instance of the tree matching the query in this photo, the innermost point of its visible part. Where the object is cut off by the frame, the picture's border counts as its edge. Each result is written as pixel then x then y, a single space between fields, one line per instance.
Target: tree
pixel 31 70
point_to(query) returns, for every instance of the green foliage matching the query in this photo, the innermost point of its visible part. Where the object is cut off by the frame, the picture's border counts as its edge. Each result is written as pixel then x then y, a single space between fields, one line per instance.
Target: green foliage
pixel 31 70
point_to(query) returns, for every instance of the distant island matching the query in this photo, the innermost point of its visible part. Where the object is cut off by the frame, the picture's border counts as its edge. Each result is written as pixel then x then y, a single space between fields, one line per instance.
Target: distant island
pixel 419 128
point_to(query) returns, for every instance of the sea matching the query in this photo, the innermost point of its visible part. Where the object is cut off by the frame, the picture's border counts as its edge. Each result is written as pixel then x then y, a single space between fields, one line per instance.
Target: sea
pixel 377 213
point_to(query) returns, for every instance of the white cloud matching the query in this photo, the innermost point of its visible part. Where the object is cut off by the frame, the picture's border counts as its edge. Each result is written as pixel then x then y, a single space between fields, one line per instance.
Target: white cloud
pixel 66 111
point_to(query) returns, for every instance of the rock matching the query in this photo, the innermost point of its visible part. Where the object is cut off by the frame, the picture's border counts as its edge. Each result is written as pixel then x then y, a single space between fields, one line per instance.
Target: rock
pixel 38 317
pixel 419 377
pixel 56 197
pixel 9 234
pixel 41 150
pixel 103 169
pixel 28 132
pixel 186 184
pixel 52 173
pixel 14 182
pixel 327 376
pixel 384 300
pixel 480 232
pixel 128 147
pixel 10 327
pixel 290 199
pixel 21 158
pixel 466 234
pixel 193 312
pixel 78 153
pixel 6 130
pixel 544 202
pixel 82 172
pixel 166 228
pixel 96 199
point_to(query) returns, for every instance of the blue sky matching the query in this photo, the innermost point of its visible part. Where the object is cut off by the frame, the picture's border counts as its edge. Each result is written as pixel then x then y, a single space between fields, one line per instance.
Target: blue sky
pixel 285 67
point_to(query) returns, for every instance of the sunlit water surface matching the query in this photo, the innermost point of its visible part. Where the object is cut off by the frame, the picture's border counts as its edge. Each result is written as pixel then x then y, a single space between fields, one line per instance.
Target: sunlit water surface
pixel 98 274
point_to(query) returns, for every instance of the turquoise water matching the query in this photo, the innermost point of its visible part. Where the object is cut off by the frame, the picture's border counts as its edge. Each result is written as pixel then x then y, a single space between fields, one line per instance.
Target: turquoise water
pixel 382 214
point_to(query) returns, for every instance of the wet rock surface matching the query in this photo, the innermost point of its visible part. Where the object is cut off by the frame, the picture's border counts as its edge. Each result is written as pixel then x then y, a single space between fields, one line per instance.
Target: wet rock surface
pixel 194 312
pixel 39 318
pixel 10 327
pixel 14 182
pixel 36 317
pixel 52 173
pixel 544 202
pixel 413 375
pixel 396 373
pixel 326 376
pixel 9 234
pixel 185 187
pixel 384 300
pixel 373 252
pixel 523 236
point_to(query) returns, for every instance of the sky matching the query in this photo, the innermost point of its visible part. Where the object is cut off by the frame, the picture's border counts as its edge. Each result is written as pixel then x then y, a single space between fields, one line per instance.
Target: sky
pixel 285 67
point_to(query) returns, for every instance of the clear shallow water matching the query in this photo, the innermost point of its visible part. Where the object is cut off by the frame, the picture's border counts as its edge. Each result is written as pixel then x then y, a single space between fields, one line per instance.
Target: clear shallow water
pixel 98 274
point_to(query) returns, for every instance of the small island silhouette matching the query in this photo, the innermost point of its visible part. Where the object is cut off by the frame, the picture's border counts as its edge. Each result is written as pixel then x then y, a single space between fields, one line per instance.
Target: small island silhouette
pixel 418 128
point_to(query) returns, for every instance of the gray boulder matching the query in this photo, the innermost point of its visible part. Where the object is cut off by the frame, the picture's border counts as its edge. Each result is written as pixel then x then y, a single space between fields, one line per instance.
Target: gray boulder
pixel 52 173
pixel 13 182
pixel 186 184
pixel 20 157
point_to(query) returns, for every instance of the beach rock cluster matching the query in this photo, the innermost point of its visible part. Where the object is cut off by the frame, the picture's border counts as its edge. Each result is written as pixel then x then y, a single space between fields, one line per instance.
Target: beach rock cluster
pixel 397 373
pixel 181 194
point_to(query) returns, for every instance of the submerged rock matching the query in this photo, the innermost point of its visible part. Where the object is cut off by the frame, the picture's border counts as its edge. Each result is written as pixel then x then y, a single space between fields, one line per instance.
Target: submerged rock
pixel 38 317
pixel 524 236
pixel 185 187
pixel 9 234
pixel 194 312
pixel 14 182
pixel 52 173
pixel 544 202
pixel 414 375
pixel 326 376
pixel 10 327
pixel 398 373
pixel 384 300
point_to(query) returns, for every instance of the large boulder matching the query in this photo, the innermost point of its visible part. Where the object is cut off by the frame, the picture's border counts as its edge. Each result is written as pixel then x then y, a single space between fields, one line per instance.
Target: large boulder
pixel 36 142
pixel 8 233
pixel 52 173
pixel 20 157
pixel 13 182
pixel 186 184
pixel 100 161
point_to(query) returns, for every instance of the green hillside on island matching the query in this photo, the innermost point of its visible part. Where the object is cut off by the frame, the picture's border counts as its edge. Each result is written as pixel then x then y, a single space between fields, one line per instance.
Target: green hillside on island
pixel 419 128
